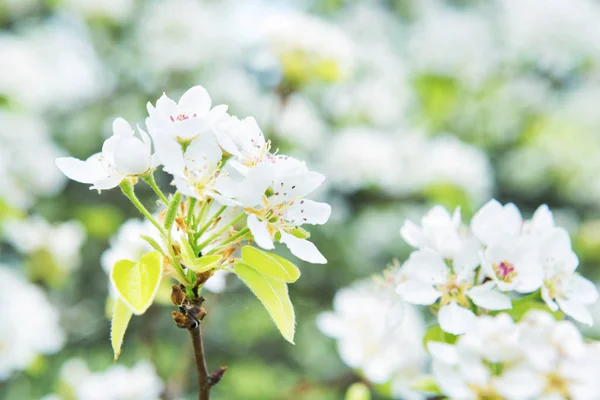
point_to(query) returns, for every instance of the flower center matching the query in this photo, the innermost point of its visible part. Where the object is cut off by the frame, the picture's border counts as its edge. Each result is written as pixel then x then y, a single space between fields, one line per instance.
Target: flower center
pixel 505 271
pixel 454 290
pixel 182 117
pixel 484 393
pixel 557 384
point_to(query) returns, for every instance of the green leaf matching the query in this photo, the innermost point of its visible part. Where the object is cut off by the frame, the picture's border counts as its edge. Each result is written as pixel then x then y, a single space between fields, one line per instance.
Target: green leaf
pixel 120 319
pixel 436 334
pixel 426 384
pixel 358 391
pixel 520 307
pixel 273 294
pixel 154 244
pixel 172 211
pixel 137 283
pixel 270 265
pixel 194 263
pixel 205 263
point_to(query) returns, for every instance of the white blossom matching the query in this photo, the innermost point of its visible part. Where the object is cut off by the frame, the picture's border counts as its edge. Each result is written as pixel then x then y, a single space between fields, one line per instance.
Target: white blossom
pixel 36 235
pixel 115 383
pixel 376 333
pixel 22 340
pixel 123 155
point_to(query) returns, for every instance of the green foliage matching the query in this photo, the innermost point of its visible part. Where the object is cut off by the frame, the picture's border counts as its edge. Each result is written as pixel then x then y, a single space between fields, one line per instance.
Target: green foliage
pixel 273 294
pixel 172 211
pixel 520 307
pixel 358 391
pixel 120 319
pixel 426 384
pixel 137 283
pixel 270 265
pixel 436 334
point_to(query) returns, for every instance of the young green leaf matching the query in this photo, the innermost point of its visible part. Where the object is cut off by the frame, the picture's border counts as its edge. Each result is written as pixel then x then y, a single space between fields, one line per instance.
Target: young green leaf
pixel 137 283
pixel 205 263
pixel 436 334
pixel 120 319
pixel 172 211
pixel 273 294
pixel 358 391
pixel 426 384
pixel 154 244
pixel 270 265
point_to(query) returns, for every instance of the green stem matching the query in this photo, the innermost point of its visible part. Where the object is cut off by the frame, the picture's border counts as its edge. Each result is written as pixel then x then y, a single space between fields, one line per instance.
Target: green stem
pixel 176 264
pixel 190 210
pixel 149 179
pixel 233 238
pixel 209 223
pixel 202 212
pixel 127 189
pixel 221 231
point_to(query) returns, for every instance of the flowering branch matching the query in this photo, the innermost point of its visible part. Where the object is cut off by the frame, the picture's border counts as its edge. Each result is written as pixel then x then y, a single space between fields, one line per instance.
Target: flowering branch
pixel 217 172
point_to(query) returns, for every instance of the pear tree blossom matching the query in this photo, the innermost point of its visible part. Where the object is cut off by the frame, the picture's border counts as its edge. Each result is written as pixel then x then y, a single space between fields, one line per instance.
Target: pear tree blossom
pixel 123 155
pixel 377 333
pixel 536 358
pixel 462 273
pixel 21 342
pixel 230 191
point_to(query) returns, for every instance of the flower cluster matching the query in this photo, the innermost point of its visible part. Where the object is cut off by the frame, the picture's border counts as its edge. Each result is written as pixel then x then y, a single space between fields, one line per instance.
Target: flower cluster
pixel 463 272
pixel 538 357
pixel 230 190
pixel 213 156
pixel 377 334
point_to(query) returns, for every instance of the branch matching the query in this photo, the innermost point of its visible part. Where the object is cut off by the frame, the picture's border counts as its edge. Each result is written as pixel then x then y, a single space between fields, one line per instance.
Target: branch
pixel 190 316
pixel 200 360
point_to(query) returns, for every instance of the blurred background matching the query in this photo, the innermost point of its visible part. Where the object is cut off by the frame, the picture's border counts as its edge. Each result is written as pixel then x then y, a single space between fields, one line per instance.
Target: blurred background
pixel 402 104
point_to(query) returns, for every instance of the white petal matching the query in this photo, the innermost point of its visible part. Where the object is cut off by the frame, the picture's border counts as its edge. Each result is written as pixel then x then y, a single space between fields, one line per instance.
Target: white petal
pixel 483 222
pixel 108 183
pixel 548 300
pixel 226 201
pixel 303 249
pixel 428 266
pixel 418 292
pixel 451 382
pixel 195 99
pixel 170 154
pixel 308 211
pixel 296 186
pixel 486 296
pixel 582 290
pixel 261 234
pixel 520 383
pixel 467 257
pixel 443 352
pixel 203 153
pixel 253 187
pixel 80 171
pixel 132 157
pixel 227 143
pixel 122 127
pixel 576 310
pixel 455 319
pixel 412 234
pixel 165 107
pixel 542 219
pixel 330 324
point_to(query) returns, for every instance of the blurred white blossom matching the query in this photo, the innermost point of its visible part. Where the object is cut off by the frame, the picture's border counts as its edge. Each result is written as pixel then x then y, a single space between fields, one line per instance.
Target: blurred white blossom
pixel 115 383
pixel 376 333
pixel 23 339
